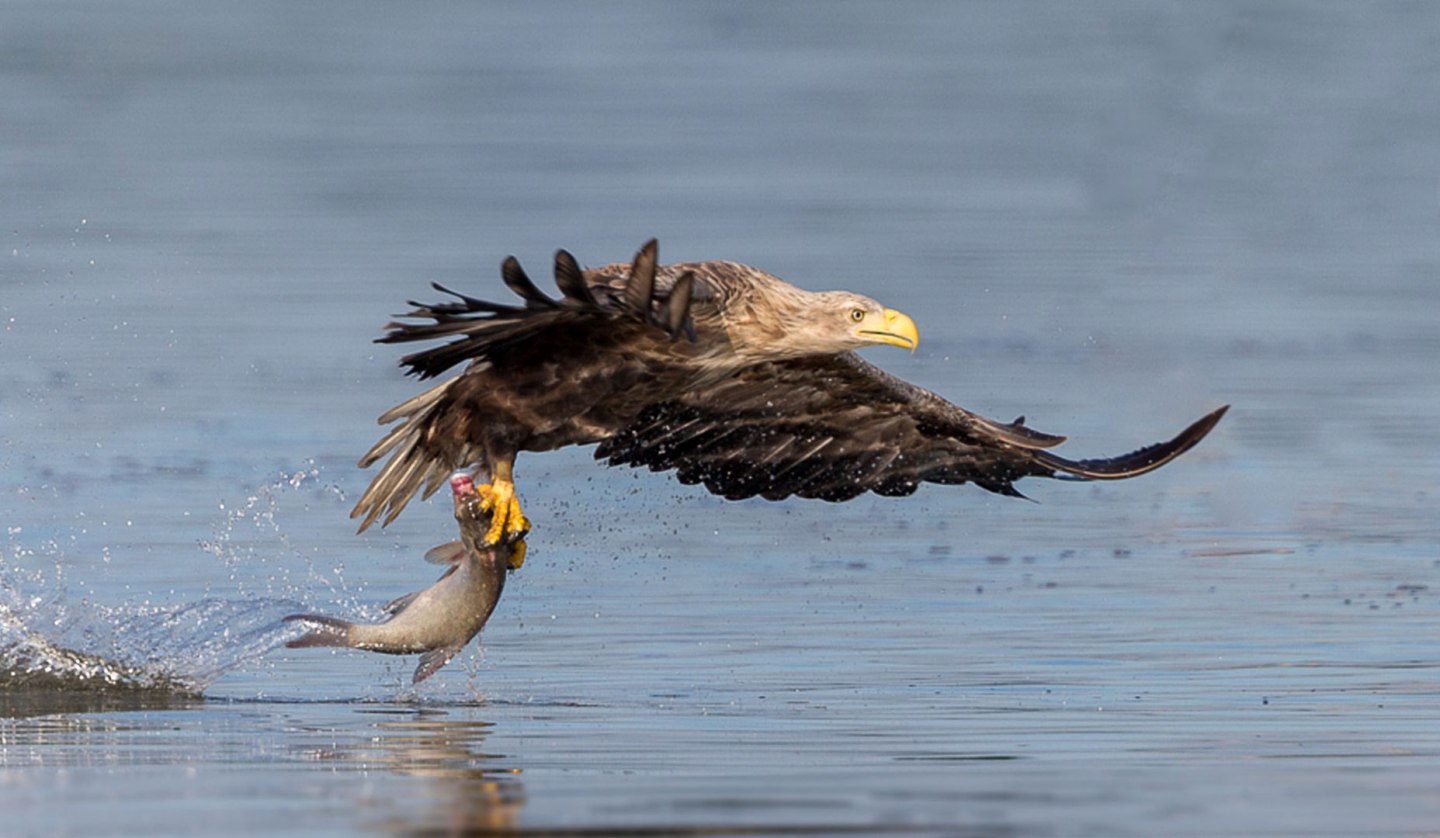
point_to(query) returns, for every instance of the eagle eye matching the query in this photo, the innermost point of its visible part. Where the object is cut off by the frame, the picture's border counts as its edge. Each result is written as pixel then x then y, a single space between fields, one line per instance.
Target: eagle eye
pixel 857 314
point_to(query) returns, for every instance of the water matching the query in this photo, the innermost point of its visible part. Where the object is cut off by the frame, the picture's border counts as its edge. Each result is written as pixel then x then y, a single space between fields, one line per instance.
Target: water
pixel 1110 217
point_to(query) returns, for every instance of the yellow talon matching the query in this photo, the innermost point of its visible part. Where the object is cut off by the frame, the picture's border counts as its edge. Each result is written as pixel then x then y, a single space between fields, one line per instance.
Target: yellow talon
pixel 477 504
pixel 507 523
pixel 517 554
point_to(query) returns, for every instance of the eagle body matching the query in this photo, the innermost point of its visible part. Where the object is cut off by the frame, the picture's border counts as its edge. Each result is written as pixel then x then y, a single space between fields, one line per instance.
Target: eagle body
pixel 721 372
pixel 565 387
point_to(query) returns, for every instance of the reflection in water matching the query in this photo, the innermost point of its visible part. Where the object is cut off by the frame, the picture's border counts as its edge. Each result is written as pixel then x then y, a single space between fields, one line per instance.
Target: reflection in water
pixel 56 699
pixel 469 790
pixel 404 770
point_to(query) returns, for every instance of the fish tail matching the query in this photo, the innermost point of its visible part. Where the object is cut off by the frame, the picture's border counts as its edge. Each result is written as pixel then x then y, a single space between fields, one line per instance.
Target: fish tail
pixel 325 631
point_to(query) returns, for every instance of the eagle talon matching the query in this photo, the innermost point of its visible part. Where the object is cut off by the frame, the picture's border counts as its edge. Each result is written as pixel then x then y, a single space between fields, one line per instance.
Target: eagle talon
pixel 517 553
pixel 508 525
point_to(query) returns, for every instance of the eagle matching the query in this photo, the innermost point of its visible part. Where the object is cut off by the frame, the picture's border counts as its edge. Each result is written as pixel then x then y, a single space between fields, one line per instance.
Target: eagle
pixel 725 374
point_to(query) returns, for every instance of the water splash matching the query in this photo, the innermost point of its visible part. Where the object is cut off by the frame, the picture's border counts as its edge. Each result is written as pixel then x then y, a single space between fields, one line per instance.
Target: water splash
pixel 55 643
pixel 181 649
pixel 251 537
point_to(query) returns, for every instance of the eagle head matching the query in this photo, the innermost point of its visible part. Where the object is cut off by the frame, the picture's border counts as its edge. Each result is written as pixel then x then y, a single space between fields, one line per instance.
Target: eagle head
pixel 768 319
pixel 854 321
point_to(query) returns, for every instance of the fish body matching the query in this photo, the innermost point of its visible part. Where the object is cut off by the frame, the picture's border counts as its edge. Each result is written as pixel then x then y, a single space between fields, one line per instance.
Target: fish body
pixel 438 621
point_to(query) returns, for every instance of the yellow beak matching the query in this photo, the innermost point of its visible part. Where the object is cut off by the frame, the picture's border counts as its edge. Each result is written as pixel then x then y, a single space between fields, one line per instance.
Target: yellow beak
pixel 897 330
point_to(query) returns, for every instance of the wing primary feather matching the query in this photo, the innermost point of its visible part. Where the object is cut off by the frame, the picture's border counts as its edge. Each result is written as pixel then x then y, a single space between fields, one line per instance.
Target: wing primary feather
pixel 677 308
pixel 1137 462
pixel 1001 487
pixel 1018 433
pixel 442 312
pixel 518 281
pixel 641 286
pixel 470 302
pixel 412 406
pixel 802 463
pixel 383 447
pixel 438 477
pixel 571 280
pixel 401 487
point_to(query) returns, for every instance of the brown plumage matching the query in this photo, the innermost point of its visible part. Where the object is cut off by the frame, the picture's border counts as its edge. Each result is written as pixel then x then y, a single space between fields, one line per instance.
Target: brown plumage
pixel 845 427
pixel 722 372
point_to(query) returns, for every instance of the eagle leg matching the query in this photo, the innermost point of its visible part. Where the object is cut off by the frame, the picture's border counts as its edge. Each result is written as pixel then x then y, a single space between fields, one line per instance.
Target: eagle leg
pixel 507 523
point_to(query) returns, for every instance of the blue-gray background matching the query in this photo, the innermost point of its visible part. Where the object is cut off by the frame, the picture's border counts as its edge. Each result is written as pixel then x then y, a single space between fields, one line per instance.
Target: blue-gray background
pixel 1107 216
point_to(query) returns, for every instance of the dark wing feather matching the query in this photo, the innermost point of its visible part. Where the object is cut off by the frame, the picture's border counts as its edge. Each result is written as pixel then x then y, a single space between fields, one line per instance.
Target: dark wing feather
pixel 571 281
pixel 677 309
pixel 518 281
pixel 439 430
pixel 482 329
pixel 836 427
pixel 641 286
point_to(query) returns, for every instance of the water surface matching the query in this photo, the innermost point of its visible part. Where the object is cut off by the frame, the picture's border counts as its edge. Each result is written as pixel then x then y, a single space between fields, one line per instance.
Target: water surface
pixel 1110 217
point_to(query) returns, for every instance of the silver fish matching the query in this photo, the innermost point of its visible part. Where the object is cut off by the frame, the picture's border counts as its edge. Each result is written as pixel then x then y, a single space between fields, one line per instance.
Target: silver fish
pixel 442 618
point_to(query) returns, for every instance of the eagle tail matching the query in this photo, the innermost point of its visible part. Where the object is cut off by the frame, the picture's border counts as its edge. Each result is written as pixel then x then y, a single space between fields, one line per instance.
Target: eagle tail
pixel 1137 462
pixel 413 465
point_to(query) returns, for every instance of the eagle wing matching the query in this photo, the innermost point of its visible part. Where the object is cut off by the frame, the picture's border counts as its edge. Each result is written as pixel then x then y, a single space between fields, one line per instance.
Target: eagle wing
pixel 431 436
pixel 834 427
pixel 481 330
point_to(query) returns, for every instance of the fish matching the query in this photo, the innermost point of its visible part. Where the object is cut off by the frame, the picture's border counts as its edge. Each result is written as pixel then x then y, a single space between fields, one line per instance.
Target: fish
pixel 440 620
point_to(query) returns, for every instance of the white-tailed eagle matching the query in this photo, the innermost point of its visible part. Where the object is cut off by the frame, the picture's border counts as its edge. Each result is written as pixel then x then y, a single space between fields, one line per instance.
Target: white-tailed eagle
pixel 729 376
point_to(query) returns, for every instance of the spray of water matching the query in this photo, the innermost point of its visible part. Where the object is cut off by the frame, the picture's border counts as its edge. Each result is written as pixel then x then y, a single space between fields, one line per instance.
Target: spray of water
pixel 49 641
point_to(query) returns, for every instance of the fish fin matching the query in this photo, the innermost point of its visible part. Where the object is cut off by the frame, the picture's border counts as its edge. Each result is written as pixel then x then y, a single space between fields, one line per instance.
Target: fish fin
pixel 448 553
pixel 327 631
pixel 400 603
pixel 431 661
